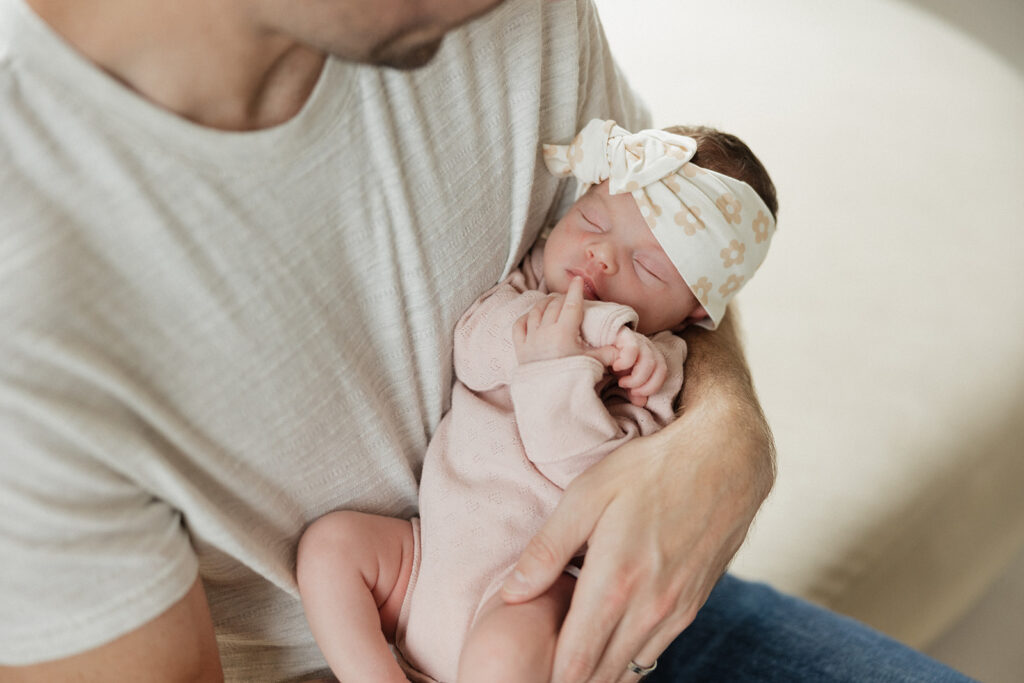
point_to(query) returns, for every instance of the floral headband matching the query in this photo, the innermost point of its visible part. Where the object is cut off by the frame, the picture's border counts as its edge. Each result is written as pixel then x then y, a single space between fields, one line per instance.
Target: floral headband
pixel 715 229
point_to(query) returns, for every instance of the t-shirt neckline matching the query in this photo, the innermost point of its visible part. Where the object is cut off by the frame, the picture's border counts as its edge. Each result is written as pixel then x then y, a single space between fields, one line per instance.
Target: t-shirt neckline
pixel 42 50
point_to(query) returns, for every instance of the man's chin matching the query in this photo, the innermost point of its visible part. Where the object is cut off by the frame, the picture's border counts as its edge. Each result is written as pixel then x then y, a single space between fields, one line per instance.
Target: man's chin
pixel 407 59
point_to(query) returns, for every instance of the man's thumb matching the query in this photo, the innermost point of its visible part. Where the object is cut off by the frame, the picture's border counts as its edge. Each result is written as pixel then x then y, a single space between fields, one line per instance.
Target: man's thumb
pixel 547 554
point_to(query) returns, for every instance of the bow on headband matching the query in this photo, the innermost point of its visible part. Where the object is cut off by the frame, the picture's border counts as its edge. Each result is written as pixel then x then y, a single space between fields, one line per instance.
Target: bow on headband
pixel 715 229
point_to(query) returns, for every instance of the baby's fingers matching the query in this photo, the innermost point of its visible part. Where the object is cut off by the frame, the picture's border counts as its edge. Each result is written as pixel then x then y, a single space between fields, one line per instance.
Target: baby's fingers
pixel 639 395
pixel 657 378
pixel 641 372
pixel 639 400
pixel 572 306
pixel 519 331
pixel 536 314
pixel 627 357
pixel 552 309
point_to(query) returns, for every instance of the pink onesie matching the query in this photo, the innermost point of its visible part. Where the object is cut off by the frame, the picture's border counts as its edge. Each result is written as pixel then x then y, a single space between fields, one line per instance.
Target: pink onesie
pixel 514 438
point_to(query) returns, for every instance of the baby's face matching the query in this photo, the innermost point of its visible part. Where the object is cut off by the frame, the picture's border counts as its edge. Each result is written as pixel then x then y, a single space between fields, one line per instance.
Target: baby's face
pixel 604 239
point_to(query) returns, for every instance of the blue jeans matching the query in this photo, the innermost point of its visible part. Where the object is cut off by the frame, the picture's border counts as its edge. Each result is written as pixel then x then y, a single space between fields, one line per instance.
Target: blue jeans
pixel 751 632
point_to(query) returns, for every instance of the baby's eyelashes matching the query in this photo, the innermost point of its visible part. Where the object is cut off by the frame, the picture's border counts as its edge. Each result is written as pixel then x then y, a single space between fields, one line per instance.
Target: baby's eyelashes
pixel 591 224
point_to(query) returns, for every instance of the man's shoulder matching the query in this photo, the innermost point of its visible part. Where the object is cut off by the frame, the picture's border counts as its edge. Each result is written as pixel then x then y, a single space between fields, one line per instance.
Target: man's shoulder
pixel 7 74
pixel 6 60
pixel 8 21
pixel 43 257
pixel 12 18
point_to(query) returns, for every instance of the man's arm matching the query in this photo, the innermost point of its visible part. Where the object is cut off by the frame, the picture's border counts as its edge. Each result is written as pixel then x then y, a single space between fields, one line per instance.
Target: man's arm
pixel 662 517
pixel 716 370
pixel 178 645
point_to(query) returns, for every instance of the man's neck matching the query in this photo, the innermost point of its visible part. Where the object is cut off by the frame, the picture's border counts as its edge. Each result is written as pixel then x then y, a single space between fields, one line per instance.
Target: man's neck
pixel 205 61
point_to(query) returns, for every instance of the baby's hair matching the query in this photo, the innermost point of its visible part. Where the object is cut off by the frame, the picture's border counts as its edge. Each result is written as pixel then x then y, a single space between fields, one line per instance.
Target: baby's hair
pixel 727 154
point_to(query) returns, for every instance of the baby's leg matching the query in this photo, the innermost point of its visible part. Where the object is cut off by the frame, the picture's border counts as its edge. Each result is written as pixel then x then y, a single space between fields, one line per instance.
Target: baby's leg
pixel 353 570
pixel 516 643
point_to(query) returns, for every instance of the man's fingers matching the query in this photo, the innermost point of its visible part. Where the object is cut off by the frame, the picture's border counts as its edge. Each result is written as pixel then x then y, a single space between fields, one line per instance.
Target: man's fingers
pixel 649 625
pixel 645 651
pixel 645 654
pixel 628 643
pixel 550 550
pixel 597 607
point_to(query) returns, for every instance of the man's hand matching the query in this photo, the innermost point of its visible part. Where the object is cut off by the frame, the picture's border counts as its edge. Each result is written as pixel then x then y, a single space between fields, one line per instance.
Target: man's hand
pixel 552 329
pixel 661 518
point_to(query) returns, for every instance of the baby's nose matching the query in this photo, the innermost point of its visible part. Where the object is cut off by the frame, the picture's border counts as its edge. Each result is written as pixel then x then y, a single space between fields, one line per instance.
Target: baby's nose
pixel 603 256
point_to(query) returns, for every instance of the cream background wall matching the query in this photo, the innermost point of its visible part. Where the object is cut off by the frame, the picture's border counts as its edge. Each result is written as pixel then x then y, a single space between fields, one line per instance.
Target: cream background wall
pixel 886 329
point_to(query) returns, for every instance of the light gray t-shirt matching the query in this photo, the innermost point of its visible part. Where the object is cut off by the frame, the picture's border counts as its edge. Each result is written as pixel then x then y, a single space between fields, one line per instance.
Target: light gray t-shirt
pixel 208 339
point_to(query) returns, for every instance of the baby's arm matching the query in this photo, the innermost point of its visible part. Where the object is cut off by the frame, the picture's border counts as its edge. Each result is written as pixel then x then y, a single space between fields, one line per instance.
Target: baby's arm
pixel 483 355
pixel 353 570
pixel 565 425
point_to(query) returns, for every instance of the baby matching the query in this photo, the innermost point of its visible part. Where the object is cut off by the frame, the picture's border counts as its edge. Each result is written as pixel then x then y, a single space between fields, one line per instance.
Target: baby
pixel 567 359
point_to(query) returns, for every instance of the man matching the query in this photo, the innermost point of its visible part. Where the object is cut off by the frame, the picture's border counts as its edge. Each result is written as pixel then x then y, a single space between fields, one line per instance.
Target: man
pixel 233 253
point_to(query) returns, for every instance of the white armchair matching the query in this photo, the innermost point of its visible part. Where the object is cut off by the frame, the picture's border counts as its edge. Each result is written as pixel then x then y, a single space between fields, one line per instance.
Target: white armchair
pixel 886 328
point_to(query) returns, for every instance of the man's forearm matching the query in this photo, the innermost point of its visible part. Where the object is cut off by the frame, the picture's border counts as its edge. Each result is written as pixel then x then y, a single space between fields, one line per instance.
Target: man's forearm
pixel 174 647
pixel 718 399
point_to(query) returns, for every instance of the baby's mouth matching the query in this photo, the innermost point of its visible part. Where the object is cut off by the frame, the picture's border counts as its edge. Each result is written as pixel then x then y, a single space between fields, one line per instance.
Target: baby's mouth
pixel 589 290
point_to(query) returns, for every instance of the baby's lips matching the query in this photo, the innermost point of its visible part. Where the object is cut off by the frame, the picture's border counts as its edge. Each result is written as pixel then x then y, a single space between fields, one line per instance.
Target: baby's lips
pixel 589 289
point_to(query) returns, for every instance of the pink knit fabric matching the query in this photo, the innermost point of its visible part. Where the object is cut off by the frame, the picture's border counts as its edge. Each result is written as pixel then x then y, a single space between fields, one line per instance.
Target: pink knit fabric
pixel 514 438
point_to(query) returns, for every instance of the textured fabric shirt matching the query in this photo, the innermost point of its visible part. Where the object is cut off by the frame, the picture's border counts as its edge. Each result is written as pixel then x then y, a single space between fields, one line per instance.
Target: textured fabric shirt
pixel 208 339
pixel 515 437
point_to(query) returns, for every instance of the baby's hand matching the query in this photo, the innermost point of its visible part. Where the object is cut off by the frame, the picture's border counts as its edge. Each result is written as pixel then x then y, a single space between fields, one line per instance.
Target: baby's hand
pixel 640 368
pixel 552 328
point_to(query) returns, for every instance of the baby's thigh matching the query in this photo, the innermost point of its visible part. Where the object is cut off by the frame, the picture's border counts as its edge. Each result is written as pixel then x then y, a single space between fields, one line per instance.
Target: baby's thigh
pixel 516 642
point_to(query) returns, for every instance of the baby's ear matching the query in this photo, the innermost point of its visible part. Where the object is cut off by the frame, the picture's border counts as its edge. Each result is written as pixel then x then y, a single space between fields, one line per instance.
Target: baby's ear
pixel 698 313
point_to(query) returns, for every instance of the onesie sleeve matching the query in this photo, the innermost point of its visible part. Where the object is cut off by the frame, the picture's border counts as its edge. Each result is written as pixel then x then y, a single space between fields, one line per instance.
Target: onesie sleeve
pixel 484 353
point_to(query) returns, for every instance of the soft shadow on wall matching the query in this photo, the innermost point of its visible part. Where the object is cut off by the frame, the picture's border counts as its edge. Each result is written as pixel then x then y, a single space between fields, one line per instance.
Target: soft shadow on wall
pixel 999 24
